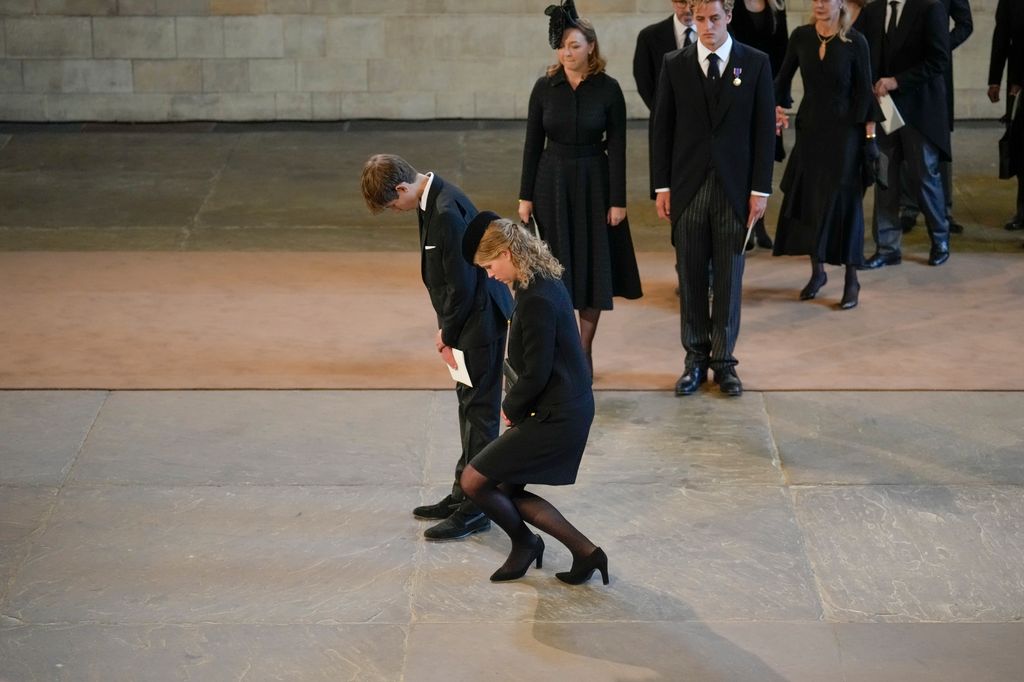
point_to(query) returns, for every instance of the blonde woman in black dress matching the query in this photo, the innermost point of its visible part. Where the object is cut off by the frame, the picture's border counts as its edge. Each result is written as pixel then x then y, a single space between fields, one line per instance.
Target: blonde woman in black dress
pixel 822 214
pixel 549 406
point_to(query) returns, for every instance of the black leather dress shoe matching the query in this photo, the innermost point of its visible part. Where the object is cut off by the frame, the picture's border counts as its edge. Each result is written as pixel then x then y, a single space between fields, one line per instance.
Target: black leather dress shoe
pixel 955 227
pixel 1017 223
pixel 907 223
pixel 441 510
pixel 880 260
pixel 691 380
pixel 728 382
pixel 457 526
pixel 939 253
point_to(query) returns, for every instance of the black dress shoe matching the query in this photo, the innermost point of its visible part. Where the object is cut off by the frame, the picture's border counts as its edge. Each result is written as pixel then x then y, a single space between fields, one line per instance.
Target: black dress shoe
pixel 880 260
pixel 457 526
pixel 728 382
pixel 441 510
pixel 813 286
pixel 955 227
pixel 691 380
pixel 939 253
pixel 1017 223
pixel 907 223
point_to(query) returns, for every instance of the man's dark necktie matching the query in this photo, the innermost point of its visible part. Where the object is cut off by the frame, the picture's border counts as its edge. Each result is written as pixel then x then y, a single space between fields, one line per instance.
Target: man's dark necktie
pixel 893 14
pixel 688 37
pixel 711 83
pixel 713 72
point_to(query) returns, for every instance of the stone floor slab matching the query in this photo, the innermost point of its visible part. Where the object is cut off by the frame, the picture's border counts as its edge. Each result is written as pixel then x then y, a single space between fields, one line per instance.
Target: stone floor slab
pixel 932 652
pixel 899 437
pixel 912 554
pixel 722 553
pixel 22 512
pixel 109 653
pixel 620 652
pixel 655 437
pixel 41 433
pixel 285 555
pixel 251 437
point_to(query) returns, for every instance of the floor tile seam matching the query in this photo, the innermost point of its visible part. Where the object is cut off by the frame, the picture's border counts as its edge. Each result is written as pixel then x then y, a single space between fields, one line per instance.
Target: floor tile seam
pixel 47 516
pixel 193 222
pixel 820 593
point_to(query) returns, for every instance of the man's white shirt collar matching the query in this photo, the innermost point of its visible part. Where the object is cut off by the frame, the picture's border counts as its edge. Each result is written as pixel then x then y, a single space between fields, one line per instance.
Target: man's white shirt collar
pixel 426 191
pixel 723 53
pixel 681 31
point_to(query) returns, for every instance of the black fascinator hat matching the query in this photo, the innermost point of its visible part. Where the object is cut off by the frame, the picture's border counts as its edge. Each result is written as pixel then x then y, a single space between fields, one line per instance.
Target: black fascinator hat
pixel 475 232
pixel 562 17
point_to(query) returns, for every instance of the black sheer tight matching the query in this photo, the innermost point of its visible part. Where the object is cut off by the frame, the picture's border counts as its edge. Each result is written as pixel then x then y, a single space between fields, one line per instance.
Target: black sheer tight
pixel 512 507
pixel 490 496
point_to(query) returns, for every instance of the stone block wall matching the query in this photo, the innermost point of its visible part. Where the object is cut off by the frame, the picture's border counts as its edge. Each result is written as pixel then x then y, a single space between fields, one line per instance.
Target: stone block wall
pixel 173 60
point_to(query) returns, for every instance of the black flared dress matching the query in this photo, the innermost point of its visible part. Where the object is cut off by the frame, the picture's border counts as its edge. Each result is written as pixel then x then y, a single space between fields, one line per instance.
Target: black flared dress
pixel 822 213
pixel 574 169
pixel 551 405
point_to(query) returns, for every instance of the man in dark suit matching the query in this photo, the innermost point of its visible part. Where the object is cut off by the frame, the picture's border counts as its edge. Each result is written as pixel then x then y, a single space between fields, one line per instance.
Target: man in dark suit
pixel 963 25
pixel 472 316
pixel 652 44
pixel 714 147
pixel 909 42
pixel 1008 51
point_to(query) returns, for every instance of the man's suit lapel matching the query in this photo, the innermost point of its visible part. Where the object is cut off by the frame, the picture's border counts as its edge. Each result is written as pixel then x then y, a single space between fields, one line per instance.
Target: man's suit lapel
pixel 695 84
pixel 727 91
pixel 666 37
pixel 425 218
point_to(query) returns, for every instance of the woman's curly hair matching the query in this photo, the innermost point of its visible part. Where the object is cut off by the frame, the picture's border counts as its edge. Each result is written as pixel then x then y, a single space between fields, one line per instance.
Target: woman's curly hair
pixel 530 255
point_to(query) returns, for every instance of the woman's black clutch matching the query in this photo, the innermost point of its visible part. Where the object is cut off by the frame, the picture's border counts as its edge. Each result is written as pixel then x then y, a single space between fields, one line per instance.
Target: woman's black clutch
pixel 510 374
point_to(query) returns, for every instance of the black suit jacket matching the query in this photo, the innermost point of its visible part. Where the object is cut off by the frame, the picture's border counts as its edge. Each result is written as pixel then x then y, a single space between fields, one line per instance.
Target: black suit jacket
pixel 917 57
pixel 1008 44
pixel 959 12
pixel 544 350
pixel 472 309
pixel 735 138
pixel 652 44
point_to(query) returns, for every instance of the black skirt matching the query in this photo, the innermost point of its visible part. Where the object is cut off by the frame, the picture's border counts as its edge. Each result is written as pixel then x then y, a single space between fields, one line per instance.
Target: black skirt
pixel 545 448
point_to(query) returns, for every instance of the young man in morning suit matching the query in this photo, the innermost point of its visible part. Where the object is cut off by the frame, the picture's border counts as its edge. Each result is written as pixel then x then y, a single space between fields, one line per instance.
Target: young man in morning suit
pixel 714 148
pixel 652 44
pixel 472 316
pixel 909 41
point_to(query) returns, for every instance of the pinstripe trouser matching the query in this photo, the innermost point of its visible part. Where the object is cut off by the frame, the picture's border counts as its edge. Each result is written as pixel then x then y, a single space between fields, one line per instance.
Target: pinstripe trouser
pixel 709 233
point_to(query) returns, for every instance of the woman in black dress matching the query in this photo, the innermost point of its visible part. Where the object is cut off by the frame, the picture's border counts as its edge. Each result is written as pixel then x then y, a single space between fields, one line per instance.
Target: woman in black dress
pixel 822 214
pixel 762 24
pixel 574 172
pixel 549 405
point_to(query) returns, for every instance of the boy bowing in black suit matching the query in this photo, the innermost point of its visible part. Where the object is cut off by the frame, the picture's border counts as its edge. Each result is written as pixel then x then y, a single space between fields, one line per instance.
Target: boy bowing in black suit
pixel 472 315
pixel 714 147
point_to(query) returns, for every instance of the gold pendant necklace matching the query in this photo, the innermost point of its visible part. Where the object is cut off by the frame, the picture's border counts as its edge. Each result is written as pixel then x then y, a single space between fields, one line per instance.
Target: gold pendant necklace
pixel 824 41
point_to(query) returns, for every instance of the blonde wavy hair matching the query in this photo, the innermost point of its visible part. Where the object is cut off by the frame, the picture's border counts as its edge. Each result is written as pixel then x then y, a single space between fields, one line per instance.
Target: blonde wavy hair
pixel 530 256
pixel 595 62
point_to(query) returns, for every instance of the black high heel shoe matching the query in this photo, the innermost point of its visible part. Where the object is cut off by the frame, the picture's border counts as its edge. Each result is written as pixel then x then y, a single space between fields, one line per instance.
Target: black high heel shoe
pixel 582 569
pixel 813 285
pixel 504 574
pixel 850 296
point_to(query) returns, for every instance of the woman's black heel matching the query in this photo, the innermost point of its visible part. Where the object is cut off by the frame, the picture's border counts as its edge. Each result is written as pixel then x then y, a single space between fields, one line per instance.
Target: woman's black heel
pixel 504 573
pixel 582 569
pixel 851 294
pixel 817 281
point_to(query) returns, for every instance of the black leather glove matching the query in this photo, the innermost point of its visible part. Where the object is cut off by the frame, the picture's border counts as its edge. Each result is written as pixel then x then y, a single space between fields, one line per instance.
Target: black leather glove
pixel 870 163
